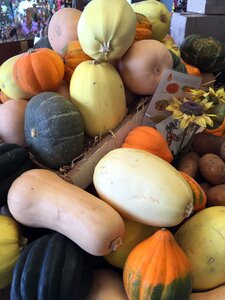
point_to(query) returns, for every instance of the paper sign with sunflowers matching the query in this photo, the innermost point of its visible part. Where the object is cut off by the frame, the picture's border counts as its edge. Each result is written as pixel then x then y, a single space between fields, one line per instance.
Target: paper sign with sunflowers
pixel 180 108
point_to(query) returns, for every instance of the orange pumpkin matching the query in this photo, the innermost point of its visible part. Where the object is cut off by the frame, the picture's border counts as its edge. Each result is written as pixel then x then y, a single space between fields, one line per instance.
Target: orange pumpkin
pixel 191 70
pixel 39 70
pixel 62 28
pixel 73 55
pixel 219 131
pixel 157 268
pixel 143 28
pixel 199 195
pixel 148 139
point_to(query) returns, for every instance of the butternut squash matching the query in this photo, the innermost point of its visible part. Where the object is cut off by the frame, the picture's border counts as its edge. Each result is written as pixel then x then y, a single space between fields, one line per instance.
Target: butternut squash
pixel 40 198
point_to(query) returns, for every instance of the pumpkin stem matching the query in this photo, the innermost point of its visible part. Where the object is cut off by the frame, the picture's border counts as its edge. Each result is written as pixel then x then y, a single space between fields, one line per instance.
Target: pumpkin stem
pixel 31 50
pixel 115 244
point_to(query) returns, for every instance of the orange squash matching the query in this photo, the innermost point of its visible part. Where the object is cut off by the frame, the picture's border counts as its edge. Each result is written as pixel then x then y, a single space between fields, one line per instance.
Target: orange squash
pixel 73 55
pixel 39 70
pixel 157 268
pixel 219 131
pixel 199 194
pixel 192 70
pixel 143 28
pixel 148 139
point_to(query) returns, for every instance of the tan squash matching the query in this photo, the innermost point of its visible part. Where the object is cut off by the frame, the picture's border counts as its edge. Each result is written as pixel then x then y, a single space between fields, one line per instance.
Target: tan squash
pixel 12 122
pixel 40 198
pixel 214 294
pixel 107 284
pixel 62 28
pixel 142 66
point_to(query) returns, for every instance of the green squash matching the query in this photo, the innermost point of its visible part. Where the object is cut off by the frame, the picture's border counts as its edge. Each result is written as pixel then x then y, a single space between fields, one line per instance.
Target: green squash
pixel 54 268
pixel 205 53
pixel 43 43
pixel 54 130
pixel 177 63
pixel 14 160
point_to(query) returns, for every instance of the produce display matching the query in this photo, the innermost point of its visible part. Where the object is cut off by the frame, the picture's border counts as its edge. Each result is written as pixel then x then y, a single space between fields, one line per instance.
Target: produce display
pixel 150 225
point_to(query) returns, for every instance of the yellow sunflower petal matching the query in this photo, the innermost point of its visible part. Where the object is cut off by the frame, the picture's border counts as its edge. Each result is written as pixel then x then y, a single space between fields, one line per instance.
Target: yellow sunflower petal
pixel 185 123
pixel 177 114
pixel 200 121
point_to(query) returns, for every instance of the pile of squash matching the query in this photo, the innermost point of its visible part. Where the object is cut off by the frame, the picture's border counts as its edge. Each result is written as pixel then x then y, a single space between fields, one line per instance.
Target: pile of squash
pixel 145 228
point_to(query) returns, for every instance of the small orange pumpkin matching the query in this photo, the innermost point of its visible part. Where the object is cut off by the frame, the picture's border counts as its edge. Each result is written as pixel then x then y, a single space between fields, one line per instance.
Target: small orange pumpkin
pixel 143 28
pixel 191 70
pixel 39 70
pixel 148 139
pixel 157 268
pixel 73 55
pixel 199 194
pixel 219 131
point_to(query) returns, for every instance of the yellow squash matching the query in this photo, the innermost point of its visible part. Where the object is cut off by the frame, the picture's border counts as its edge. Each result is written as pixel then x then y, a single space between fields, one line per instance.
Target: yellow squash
pixel 106 29
pixel 98 92
pixel 143 187
pixel 9 248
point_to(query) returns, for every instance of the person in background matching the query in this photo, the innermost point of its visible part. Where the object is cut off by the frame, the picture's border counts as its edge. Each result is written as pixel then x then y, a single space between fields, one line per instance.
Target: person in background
pixel 29 26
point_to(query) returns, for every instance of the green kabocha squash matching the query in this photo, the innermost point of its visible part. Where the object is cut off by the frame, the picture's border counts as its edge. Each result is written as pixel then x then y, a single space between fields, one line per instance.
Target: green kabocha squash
pixel 52 268
pixel 54 129
pixel 42 43
pixel 205 53
pixel 14 160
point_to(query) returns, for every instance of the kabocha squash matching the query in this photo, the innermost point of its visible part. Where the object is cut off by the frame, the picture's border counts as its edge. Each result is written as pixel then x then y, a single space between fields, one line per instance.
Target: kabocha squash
pixel 54 130
pixel 12 122
pixel 39 70
pixel 73 55
pixel 100 96
pixel 199 195
pixel 43 43
pixel 142 66
pixel 143 28
pixel 202 239
pixel 143 187
pixel 157 268
pixel 148 139
pixel 104 35
pixel 134 234
pixel 62 28
pixel 8 84
pixel 14 160
pixel 48 201
pixel 52 267
pixel 158 15
pixel 205 53
pixel 9 249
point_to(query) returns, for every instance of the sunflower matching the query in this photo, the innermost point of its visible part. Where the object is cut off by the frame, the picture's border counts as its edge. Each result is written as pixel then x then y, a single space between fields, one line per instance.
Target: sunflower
pixel 189 112
pixel 211 95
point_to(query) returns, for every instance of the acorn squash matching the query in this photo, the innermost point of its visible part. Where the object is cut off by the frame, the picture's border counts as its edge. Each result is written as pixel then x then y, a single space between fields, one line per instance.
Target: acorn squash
pixel 52 267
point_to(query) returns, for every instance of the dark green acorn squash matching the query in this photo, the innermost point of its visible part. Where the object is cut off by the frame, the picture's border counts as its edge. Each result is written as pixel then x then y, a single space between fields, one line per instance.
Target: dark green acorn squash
pixel 205 53
pixel 14 160
pixel 52 268
pixel 54 130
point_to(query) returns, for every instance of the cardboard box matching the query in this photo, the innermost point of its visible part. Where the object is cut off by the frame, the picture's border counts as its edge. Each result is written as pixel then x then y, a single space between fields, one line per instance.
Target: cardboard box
pixel 183 24
pixel 81 173
pixel 206 6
